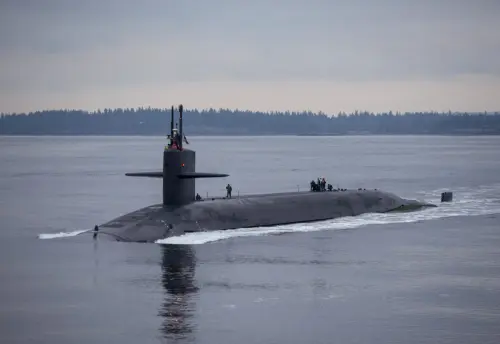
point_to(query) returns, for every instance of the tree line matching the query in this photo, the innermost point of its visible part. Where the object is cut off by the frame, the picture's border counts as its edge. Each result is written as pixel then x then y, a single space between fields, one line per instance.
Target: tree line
pixel 155 121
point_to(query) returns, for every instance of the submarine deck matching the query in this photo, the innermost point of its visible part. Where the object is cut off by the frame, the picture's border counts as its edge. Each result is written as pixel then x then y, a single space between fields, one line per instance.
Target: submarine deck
pixel 157 221
pixel 279 194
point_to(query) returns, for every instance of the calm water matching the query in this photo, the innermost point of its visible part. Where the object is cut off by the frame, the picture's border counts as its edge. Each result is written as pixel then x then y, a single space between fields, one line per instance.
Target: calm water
pixel 426 277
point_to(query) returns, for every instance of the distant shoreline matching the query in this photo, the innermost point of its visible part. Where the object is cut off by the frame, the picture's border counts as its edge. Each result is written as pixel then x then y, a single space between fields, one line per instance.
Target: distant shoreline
pixel 224 122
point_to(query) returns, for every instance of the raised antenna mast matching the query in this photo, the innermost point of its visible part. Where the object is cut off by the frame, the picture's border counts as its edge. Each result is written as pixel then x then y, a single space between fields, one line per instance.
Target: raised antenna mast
pixel 180 126
pixel 172 122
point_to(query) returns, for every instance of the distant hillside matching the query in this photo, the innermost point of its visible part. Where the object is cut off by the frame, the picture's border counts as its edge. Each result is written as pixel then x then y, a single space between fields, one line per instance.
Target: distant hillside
pixel 149 121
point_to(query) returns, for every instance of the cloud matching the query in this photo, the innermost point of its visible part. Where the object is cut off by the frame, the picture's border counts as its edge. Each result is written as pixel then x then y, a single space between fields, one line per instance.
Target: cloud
pixel 61 46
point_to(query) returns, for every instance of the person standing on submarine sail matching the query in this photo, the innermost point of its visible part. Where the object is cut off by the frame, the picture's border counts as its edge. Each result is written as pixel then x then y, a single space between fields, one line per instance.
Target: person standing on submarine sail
pixel 175 139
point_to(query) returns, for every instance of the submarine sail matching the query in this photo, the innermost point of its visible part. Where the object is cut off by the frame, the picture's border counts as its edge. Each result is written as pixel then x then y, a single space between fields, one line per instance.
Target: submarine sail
pixel 179 172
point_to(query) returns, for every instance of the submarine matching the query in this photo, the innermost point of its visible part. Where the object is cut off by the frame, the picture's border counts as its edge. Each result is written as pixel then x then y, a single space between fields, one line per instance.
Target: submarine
pixel 183 212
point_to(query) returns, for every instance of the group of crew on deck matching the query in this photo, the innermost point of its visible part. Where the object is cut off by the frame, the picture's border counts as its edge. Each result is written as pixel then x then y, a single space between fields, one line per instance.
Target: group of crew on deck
pixel 321 185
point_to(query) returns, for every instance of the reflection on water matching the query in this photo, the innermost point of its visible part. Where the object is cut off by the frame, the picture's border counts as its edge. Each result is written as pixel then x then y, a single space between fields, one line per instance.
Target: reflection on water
pixel 178 270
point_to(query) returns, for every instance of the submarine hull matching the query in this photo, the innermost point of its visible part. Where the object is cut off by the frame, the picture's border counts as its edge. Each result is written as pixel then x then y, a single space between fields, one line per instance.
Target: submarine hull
pixel 162 221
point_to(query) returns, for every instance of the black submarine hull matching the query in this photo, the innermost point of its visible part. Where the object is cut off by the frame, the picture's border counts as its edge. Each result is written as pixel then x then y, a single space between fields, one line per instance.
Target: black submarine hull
pixel 161 221
pixel 180 213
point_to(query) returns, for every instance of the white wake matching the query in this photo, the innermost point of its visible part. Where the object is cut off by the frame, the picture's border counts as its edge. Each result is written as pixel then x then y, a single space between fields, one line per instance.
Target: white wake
pixel 61 234
pixel 480 201
pixel 483 200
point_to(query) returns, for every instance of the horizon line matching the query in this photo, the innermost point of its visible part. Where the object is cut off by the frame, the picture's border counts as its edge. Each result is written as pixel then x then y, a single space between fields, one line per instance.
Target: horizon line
pixel 271 111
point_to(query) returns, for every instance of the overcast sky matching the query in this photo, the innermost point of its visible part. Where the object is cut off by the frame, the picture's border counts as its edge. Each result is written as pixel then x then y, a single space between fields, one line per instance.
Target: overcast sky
pixel 328 55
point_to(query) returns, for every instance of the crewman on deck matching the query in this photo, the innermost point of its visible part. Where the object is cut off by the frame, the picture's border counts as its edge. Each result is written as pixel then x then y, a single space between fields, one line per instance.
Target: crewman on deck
pixel 229 188
pixel 198 197
pixel 96 230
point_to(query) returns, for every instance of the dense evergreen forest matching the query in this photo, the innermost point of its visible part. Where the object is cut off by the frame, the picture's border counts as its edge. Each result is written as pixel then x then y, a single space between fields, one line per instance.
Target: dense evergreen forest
pixel 153 121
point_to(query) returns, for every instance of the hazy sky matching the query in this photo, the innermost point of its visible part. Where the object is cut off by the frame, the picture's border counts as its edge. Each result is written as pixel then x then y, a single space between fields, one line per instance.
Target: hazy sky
pixel 328 55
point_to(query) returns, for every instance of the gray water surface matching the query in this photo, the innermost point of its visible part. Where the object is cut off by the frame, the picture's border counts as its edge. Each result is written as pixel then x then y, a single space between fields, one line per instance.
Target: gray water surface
pixel 426 277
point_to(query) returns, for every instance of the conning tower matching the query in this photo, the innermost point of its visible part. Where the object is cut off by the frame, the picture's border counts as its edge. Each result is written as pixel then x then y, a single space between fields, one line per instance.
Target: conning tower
pixel 179 168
